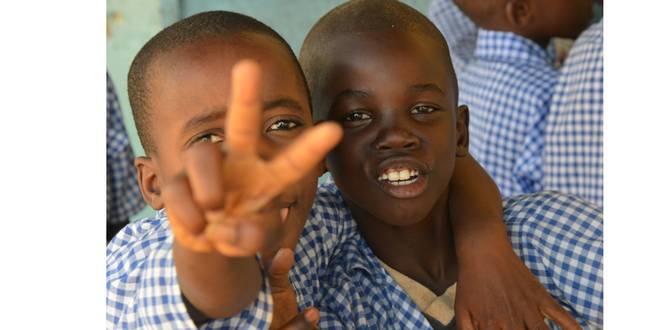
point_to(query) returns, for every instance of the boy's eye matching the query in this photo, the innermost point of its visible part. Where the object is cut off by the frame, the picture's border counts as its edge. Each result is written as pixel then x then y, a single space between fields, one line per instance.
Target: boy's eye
pixel 423 109
pixel 357 116
pixel 210 137
pixel 283 125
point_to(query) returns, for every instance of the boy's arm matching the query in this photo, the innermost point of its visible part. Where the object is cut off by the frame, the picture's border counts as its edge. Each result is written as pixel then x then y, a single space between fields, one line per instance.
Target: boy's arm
pixel 219 210
pixel 494 286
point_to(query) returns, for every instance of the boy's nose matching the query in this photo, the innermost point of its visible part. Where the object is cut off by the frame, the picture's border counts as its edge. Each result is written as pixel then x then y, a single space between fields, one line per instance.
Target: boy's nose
pixel 396 138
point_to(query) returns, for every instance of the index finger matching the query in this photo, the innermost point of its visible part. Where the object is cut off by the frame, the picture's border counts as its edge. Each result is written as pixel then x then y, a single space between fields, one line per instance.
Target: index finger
pixel 303 155
pixel 244 113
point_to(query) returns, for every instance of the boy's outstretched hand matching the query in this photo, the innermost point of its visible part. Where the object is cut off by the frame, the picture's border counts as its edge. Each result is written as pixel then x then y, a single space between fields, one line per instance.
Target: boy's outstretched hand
pixel 497 291
pixel 226 201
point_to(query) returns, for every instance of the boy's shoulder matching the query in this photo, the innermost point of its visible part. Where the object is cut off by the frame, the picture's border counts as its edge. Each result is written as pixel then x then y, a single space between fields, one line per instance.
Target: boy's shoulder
pixel 329 204
pixel 155 227
pixel 135 242
pixel 554 209
pixel 512 49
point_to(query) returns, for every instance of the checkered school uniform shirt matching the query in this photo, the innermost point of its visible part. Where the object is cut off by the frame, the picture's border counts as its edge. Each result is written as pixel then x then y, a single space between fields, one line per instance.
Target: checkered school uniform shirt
pixel 459 32
pixel 123 198
pixel 507 88
pixel 558 237
pixel 573 155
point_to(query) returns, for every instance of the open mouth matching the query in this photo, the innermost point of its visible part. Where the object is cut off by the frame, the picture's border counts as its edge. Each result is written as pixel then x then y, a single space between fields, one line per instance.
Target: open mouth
pixel 399 177
pixel 402 180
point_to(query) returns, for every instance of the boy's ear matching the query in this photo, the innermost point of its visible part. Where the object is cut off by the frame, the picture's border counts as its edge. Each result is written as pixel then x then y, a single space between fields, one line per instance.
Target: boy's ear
pixel 149 182
pixel 518 13
pixel 462 132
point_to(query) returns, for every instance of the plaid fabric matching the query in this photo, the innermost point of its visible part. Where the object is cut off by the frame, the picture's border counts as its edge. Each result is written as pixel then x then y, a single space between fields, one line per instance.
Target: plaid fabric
pixel 459 32
pixel 143 292
pixel 123 198
pixel 560 239
pixel 508 88
pixel 557 236
pixel 573 155
pixel 142 287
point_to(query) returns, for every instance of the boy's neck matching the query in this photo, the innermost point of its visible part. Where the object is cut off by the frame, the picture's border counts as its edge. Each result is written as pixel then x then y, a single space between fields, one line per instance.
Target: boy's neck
pixel 423 251
pixel 541 41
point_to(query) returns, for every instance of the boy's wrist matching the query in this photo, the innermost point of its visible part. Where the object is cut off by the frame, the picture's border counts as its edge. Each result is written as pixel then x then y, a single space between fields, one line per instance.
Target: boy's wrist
pixel 208 279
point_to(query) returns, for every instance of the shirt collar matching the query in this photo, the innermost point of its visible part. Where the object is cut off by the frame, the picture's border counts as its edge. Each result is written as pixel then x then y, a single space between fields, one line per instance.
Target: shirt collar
pixel 509 47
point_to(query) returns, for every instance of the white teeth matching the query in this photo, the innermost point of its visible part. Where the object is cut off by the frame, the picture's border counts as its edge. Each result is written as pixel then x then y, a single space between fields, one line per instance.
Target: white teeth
pixel 393 176
pixel 403 183
pixel 402 177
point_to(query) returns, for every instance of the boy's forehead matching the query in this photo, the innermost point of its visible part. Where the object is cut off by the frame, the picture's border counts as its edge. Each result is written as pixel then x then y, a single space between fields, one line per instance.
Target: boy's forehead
pixel 402 50
pixel 221 53
pixel 196 78
pixel 205 65
pixel 394 44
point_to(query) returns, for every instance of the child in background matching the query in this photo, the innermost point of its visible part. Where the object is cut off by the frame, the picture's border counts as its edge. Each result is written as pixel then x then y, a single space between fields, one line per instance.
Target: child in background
pixel 573 153
pixel 459 32
pixel 123 198
pixel 510 80
pixel 391 85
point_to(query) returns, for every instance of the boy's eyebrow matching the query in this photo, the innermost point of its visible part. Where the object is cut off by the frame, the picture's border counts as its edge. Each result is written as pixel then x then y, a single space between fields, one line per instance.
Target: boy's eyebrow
pixel 347 93
pixel 426 87
pixel 211 115
pixel 214 113
pixel 283 102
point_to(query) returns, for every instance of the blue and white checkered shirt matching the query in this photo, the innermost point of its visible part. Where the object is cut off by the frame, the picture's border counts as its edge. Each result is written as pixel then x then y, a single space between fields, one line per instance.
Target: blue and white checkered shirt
pixel 558 237
pixel 573 155
pixel 459 32
pixel 508 87
pixel 123 198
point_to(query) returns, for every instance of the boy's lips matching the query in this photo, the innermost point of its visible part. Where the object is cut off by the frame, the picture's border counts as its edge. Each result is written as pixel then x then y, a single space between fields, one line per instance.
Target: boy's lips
pixel 402 177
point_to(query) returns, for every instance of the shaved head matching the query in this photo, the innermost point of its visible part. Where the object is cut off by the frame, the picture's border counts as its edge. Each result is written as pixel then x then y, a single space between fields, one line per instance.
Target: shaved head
pixel 369 17
pixel 229 26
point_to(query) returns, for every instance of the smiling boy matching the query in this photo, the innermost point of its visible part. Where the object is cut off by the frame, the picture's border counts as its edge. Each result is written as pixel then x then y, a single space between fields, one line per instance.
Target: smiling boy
pixel 179 89
pixel 195 264
pixel 391 85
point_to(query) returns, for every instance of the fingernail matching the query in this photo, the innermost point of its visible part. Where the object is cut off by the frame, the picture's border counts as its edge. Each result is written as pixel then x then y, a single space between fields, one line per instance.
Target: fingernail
pixel 284 213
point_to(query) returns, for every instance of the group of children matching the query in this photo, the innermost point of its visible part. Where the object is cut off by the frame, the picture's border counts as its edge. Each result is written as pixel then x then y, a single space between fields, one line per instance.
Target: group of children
pixel 410 232
pixel 534 127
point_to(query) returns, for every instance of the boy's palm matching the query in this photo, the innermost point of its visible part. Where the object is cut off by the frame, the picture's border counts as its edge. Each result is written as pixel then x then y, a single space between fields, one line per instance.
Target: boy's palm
pixel 228 201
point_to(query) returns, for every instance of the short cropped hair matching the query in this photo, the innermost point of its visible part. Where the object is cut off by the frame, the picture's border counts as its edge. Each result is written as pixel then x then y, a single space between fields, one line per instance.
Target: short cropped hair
pixel 185 32
pixel 355 17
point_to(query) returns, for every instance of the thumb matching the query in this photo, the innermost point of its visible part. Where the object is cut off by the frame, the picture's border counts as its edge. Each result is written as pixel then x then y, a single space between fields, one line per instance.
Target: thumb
pixel 278 274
